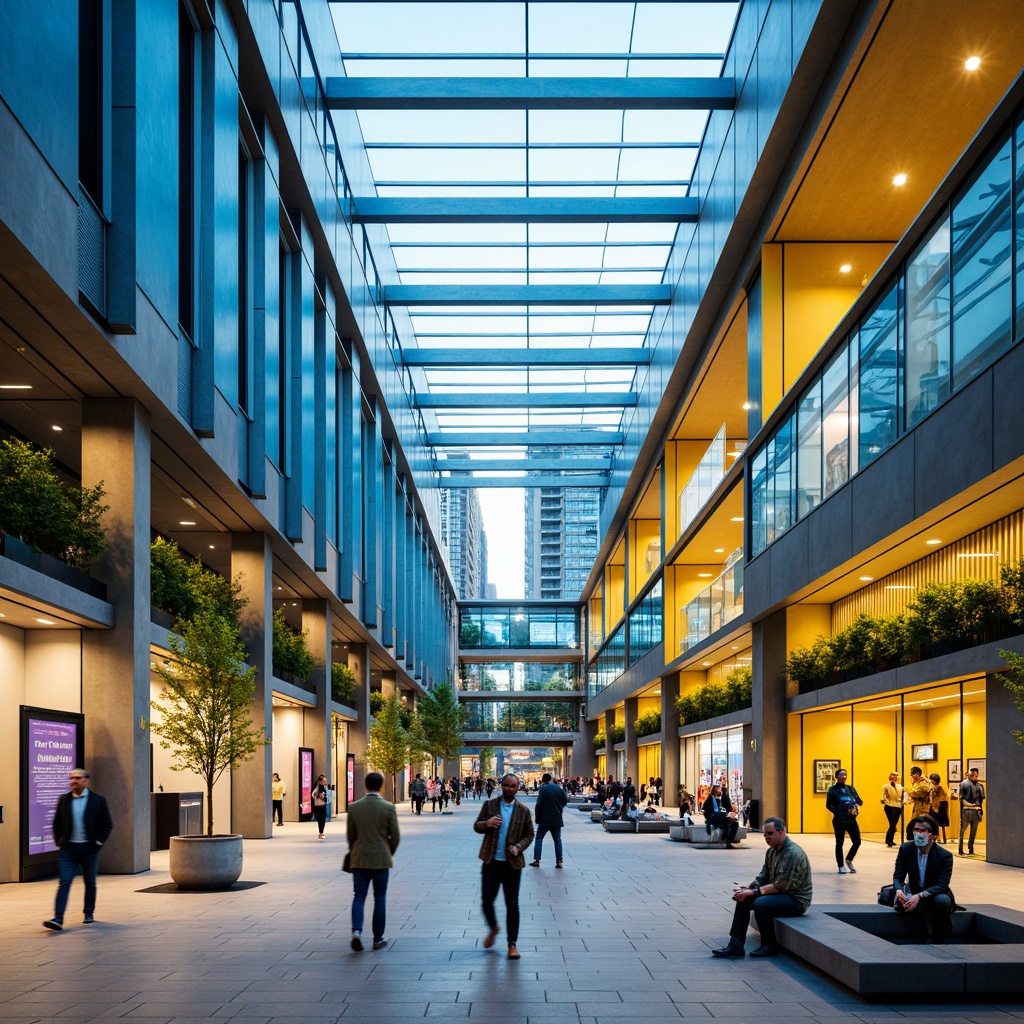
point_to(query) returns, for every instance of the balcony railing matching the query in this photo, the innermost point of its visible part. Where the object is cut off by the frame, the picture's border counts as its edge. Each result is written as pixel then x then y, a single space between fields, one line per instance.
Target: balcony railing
pixel 713 607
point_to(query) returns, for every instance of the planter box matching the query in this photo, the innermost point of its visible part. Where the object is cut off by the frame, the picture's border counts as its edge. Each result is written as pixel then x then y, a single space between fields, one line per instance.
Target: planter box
pixel 20 552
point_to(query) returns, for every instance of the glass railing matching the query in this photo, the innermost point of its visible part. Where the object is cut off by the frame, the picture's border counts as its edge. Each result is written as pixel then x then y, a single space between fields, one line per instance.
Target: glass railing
pixel 698 489
pixel 521 716
pixel 713 607
pixel 518 676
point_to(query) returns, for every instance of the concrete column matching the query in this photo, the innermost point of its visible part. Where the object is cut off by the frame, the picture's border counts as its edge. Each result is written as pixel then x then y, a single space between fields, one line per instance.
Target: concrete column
pixel 610 767
pixel 769 734
pixel 316 722
pixel 359 730
pixel 583 760
pixel 1005 844
pixel 115 663
pixel 670 743
pixel 252 565
pixel 632 750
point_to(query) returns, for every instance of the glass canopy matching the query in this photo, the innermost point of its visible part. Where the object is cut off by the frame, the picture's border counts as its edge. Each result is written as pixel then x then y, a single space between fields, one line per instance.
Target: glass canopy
pixel 453 121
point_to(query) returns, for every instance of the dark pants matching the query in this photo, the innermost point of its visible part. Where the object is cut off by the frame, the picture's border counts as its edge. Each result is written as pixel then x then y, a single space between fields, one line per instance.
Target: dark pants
pixel 71 857
pixel 320 814
pixel 841 831
pixel 417 804
pixel 556 835
pixel 277 810
pixel 935 911
pixel 968 819
pixel 766 909
pixel 499 874
pixel 361 879
pixel 728 826
pixel 893 815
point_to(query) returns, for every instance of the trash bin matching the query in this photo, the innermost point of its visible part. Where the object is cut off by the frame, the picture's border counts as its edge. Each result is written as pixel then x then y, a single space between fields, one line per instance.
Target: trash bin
pixel 755 814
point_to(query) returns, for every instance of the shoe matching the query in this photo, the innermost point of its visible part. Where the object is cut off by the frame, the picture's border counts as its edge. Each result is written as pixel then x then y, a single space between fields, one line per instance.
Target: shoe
pixel 357 943
pixel 380 943
pixel 732 949
pixel 558 863
pixel 890 845
pixel 88 919
pixel 843 869
pixel 851 868
pixel 729 846
pixel 489 938
pixel 54 925
pixel 320 836
pixel 765 951
pixel 278 823
pixel 513 953
pixel 534 863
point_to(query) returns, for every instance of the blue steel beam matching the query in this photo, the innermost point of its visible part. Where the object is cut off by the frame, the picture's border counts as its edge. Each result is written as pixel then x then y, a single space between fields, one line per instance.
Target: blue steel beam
pixel 529 480
pixel 526 356
pixel 522 465
pixel 528 400
pixel 574 436
pixel 530 93
pixel 528 295
pixel 525 210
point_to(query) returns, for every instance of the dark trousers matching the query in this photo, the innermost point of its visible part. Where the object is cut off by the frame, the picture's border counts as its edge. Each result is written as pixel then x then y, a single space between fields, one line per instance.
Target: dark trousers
pixel 71 857
pixel 499 874
pixel 320 814
pixel 766 909
pixel 361 879
pixel 936 911
pixel 417 804
pixel 968 820
pixel 726 825
pixel 841 831
pixel 277 811
pixel 893 815
pixel 538 845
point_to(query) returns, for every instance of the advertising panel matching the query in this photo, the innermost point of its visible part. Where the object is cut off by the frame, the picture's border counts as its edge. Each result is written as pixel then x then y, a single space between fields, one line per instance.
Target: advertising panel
pixel 350 777
pixel 305 783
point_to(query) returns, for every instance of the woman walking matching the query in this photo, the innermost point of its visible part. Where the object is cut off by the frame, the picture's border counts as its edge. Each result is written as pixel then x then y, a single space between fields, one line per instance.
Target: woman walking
pixel 320 804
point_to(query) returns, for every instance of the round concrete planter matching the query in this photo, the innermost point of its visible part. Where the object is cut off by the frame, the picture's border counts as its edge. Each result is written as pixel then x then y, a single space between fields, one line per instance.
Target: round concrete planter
pixel 206 862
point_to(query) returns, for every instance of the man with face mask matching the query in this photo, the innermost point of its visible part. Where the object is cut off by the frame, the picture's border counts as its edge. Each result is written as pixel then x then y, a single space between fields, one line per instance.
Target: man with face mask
pixel 921 876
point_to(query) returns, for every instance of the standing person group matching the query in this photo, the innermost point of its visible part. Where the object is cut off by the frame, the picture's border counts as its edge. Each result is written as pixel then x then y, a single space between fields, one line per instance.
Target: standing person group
pixel 844 802
pixel 373 837
pixel 547 812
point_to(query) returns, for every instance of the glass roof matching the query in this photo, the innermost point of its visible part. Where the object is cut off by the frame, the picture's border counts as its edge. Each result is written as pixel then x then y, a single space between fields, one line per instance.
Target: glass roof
pixel 472 154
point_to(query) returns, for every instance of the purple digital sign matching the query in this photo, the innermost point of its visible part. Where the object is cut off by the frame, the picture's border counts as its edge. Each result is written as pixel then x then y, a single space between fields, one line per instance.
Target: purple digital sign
pixel 305 780
pixel 52 753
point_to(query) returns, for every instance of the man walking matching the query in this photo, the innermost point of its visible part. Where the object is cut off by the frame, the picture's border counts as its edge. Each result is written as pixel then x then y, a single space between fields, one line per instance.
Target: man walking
pixel 418 792
pixel 81 825
pixel 507 830
pixel 547 812
pixel 972 810
pixel 782 889
pixel 844 802
pixel 893 798
pixel 373 837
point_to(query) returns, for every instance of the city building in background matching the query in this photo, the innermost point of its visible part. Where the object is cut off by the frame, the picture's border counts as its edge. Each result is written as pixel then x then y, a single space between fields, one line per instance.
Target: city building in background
pixel 462 530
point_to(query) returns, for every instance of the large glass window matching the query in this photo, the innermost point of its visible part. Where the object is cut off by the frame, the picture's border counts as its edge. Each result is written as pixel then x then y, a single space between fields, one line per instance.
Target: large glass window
pixel 927 320
pixel 835 387
pixel 516 676
pixel 982 255
pixel 781 517
pixel 521 716
pixel 1019 220
pixel 808 460
pixel 759 501
pixel 645 624
pixel 879 378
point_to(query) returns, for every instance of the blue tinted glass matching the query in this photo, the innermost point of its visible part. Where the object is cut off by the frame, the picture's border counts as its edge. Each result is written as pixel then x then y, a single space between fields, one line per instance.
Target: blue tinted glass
pixel 808 434
pixel 1019 255
pixel 759 501
pixel 879 377
pixel 835 387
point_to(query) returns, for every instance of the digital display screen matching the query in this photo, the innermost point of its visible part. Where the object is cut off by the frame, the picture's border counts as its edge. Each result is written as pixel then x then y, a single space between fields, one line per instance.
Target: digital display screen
pixel 52 753
pixel 305 781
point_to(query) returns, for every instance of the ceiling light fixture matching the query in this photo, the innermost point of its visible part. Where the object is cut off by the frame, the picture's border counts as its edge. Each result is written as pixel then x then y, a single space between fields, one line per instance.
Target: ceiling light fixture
pixel 186 522
pixel 972 63
pixel 704 575
pixel 46 622
pixel 57 428
pixel 865 579
pixel 979 554
pixel 899 179
pixel 933 541
pixel 15 387
pixel 719 551
pixel 736 519
pixel 845 268
pixel 746 405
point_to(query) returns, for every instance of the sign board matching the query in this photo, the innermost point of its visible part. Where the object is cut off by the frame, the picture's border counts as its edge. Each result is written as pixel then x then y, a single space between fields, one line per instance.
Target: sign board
pixel 305 783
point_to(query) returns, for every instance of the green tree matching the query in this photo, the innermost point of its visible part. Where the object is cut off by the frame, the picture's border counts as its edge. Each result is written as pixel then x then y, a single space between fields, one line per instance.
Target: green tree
pixel 442 721
pixel 377 702
pixel 205 708
pixel 388 750
pixel 181 586
pixel 488 755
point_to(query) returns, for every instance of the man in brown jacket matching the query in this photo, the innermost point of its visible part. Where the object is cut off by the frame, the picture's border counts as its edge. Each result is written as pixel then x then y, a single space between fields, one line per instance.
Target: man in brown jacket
pixel 507 829
pixel 372 838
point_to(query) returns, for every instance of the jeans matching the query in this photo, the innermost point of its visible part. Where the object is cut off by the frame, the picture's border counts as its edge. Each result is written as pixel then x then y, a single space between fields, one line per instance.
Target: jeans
pixel 361 879
pixel 968 818
pixel 841 832
pixel 893 814
pixel 500 875
pixel 417 804
pixel 556 834
pixel 766 909
pixel 71 857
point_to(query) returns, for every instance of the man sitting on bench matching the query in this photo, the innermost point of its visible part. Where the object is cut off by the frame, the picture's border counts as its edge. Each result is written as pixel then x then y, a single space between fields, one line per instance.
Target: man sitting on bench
pixel 719 813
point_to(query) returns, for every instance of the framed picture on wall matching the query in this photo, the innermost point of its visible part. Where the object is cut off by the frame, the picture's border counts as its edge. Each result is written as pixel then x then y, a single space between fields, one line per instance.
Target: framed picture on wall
pixel 825 775
pixel 924 752
pixel 979 763
pixel 953 773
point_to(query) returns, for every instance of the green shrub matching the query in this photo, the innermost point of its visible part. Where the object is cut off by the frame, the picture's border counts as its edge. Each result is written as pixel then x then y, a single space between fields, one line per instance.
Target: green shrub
pixel 377 702
pixel 618 733
pixel 714 699
pixel 599 740
pixel 182 586
pixel 343 683
pixel 649 724
pixel 291 654
pixel 967 610
pixel 1011 578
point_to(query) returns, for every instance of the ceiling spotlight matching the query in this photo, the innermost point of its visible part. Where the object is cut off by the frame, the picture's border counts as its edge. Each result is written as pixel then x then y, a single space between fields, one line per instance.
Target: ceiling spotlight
pixel 186 522
pixel 58 429
pixel 972 63
pixel 45 622
pixel 719 551
pixel 736 519
pixel 211 547
pixel 704 575
pixel 865 579
pixel 746 405
pixel 933 541
pixel 900 179
pixel 845 268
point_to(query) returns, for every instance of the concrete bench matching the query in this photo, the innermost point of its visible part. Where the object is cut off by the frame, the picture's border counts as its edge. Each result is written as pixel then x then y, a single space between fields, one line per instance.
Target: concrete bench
pixel 865 948
pixel 654 826
pixel 596 815
pixel 698 836
pixel 619 826
pixel 588 806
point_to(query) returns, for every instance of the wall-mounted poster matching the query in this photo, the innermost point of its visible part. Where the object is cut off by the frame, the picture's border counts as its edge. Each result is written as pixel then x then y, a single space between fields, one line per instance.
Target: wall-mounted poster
pixel 924 752
pixel 953 773
pixel 51 745
pixel 825 774
pixel 305 783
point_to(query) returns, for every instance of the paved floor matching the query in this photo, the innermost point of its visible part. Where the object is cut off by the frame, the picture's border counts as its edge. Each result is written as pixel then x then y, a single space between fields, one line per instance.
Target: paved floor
pixel 624 932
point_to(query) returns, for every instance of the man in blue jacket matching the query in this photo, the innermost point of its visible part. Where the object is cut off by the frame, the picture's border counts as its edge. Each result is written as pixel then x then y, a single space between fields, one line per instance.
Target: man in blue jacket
pixel 547 812
pixel 81 825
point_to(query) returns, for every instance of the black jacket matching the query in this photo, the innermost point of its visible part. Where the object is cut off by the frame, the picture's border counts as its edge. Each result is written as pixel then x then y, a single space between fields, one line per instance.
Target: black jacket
pixel 842 802
pixel 724 807
pixel 98 823
pixel 551 799
pixel 937 872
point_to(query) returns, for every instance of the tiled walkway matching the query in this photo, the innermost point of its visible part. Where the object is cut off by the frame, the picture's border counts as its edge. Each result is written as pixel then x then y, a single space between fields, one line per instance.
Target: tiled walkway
pixel 623 933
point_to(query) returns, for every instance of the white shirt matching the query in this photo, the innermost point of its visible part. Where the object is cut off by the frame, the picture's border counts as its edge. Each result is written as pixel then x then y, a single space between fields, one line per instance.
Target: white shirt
pixel 78 833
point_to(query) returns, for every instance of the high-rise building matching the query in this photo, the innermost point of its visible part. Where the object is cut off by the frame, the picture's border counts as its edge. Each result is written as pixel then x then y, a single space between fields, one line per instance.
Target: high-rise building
pixel 462 531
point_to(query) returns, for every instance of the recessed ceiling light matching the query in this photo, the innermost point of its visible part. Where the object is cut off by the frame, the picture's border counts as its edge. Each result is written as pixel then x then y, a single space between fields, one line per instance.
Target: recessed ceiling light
pixel 2 616
pixel 211 547
pixel 719 551
pixel 736 519
pixel 845 268
pixel 45 622
pixel 746 405
pixel 57 428
pixel 706 664
pixel 15 387
pixel 186 522
pixel 933 541
pixel 865 579
pixel 704 575
pixel 972 63
pixel 900 179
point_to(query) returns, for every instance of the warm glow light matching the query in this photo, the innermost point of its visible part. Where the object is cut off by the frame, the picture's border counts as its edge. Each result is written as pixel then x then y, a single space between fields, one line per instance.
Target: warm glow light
pixel 186 522
pixel 746 405
pixel 845 268
pixel 900 179
pixel 980 554
pixel 45 622
pixel 865 579
pixel 972 63
pixel 704 575
pixel 58 429
pixel 719 551
pixel 15 387
pixel 736 519
pixel 933 541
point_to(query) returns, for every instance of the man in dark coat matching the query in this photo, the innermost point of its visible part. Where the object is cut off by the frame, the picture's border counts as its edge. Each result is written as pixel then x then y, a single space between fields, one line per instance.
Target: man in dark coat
pixel 547 812
pixel 718 813
pixel 81 825
pixel 921 876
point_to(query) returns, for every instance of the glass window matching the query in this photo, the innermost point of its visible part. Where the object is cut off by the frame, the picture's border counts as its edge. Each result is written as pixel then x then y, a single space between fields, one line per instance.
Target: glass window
pixel 784 501
pixel 769 492
pixel 835 386
pixel 927 324
pixel 879 378
pixel 495 629
pixel 981 268
pixel 808 461
pixel 759 501
pixel 1020 230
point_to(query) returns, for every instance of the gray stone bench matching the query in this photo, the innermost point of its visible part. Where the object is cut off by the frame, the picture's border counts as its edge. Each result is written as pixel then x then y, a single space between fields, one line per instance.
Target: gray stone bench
pixel 865 948
pixel 698 836
pixel 596 815
pixel 588 806
pixel 654 826
pixel 615 825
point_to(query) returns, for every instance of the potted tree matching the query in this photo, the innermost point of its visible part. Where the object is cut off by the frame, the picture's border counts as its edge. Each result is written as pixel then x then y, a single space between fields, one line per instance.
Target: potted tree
pixel 441 722
pixel 205 721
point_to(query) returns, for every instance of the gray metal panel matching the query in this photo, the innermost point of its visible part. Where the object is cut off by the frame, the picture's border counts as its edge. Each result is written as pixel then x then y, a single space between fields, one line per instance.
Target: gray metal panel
pixel 524 210
pixel 530 480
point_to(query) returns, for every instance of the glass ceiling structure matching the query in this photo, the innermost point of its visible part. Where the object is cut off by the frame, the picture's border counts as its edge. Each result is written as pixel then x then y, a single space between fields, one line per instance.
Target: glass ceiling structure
pixel 531 164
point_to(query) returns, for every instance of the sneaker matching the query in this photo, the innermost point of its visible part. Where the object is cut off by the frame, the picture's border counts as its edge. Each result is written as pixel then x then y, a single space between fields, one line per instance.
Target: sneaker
pixel 54 925
pixel 357 943
pixel 843 869
pixel 88 919
pixel 489 938
pixel 380 943
pixel 513 953
pixel 320 836
pixel 851 868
